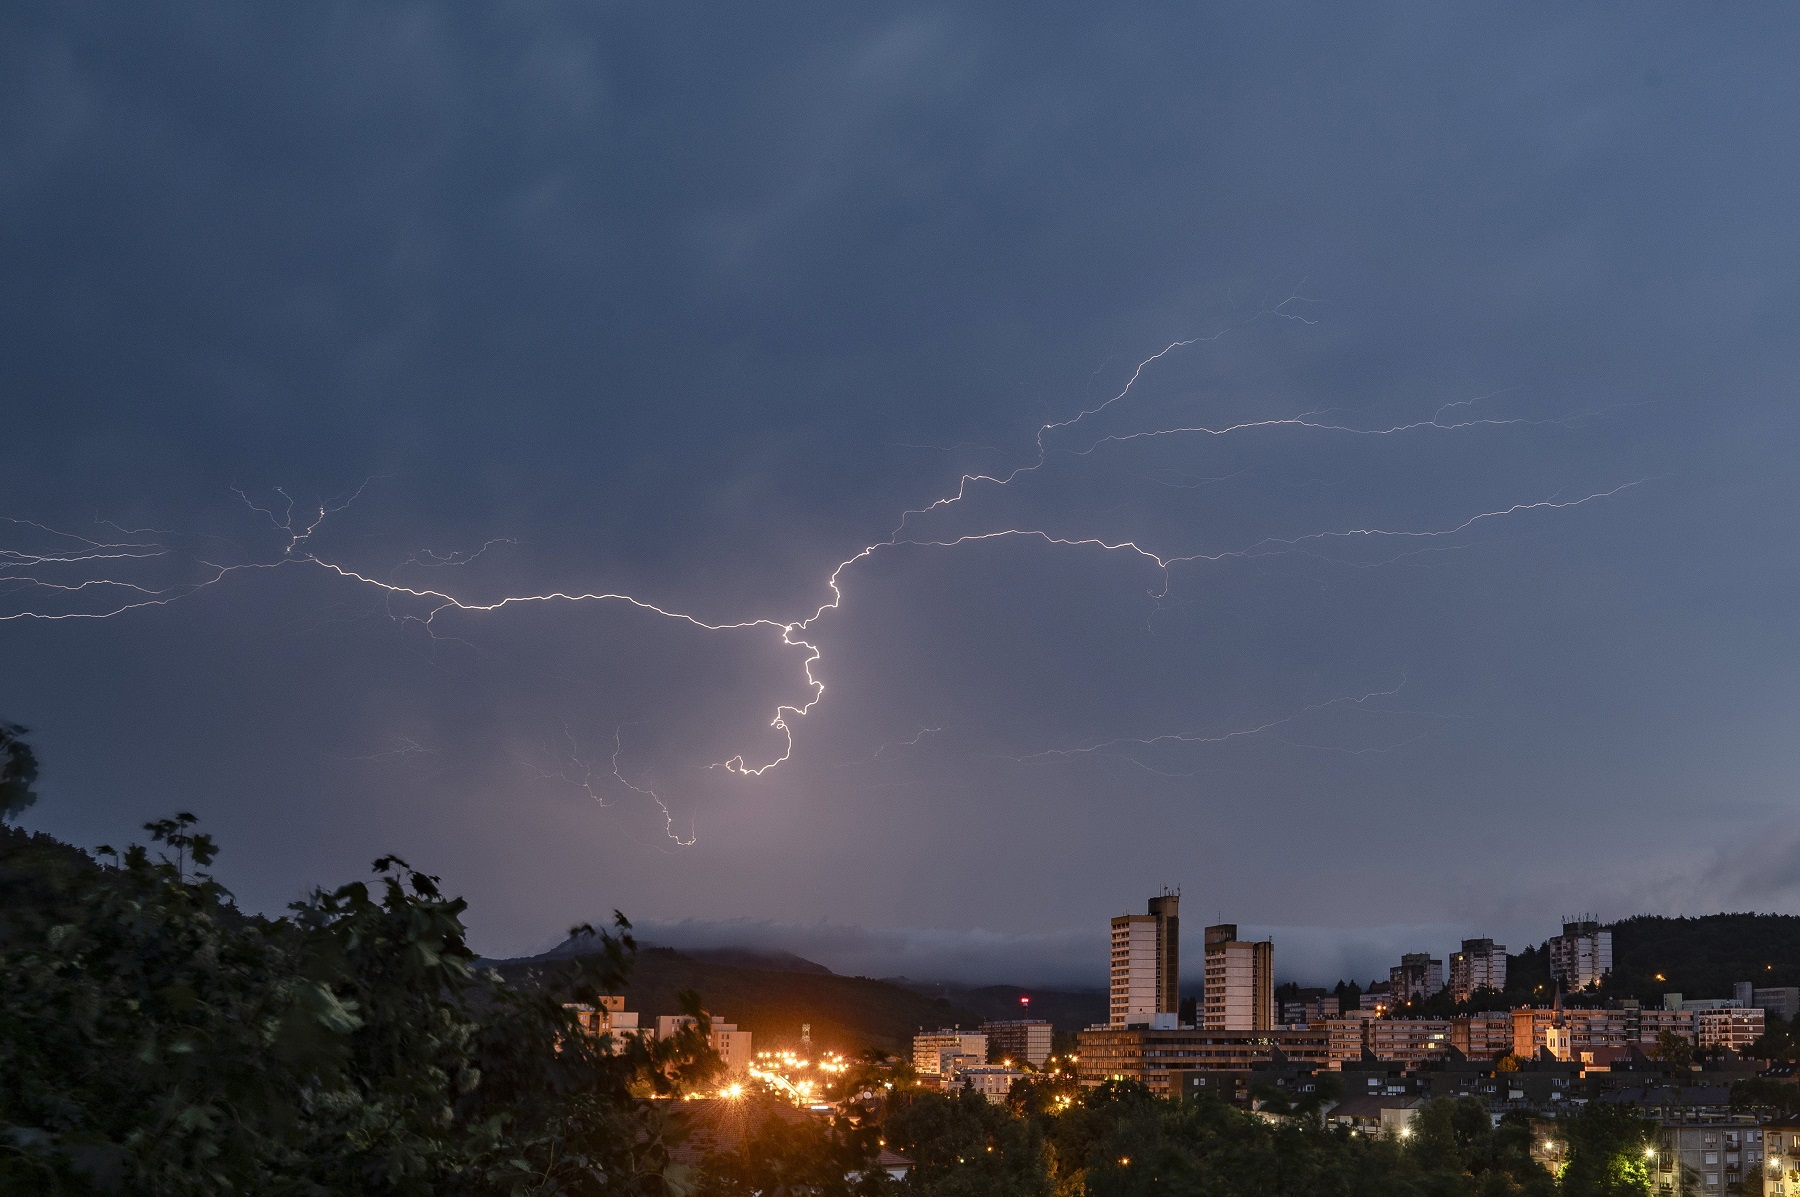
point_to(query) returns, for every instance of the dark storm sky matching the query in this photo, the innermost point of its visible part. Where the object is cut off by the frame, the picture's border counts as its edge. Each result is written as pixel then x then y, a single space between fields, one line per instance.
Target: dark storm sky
pixel 691 302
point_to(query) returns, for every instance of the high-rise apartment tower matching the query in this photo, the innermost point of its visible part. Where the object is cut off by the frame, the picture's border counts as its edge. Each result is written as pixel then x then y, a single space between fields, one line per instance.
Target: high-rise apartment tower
pixel 1581 955
pixel 1146 965
pixel 1240 982
pixel 1480 965
pixel 1417 977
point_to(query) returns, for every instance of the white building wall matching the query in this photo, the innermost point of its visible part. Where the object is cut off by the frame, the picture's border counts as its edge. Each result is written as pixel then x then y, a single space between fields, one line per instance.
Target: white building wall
pixel 1134 970
pixel 1230 997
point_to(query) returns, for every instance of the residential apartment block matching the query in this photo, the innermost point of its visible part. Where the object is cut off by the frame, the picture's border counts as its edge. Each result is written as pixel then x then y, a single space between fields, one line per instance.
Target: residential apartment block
pixel 1581 955
pixel 1713 1156
pixel 1240 982
pixel 607 1020
pixel 1415 978
pixel 1480 965
pixel 1345 1037
pixel 1146 965
pixel 1023 1041
pixel 1783 1001
pixel 1149 1056
pixel 1408 1041
pixel 1483 1036
pixel 944 1052
pixel 1735 1028
pixel 1309 1006
pixel 732 1044
pixel 992 1081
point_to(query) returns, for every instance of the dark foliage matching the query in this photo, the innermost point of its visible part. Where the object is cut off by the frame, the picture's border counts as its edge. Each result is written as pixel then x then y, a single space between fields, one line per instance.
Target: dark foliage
pixel 1120 1141
pixel 795 1157
pixel 1704 956
pixel 18 771
pixel 1777 1098
pixel 155 1040
pixel 1609 1152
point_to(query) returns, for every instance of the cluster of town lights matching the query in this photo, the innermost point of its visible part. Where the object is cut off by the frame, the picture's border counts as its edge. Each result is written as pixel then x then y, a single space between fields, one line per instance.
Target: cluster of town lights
pixel 800 1079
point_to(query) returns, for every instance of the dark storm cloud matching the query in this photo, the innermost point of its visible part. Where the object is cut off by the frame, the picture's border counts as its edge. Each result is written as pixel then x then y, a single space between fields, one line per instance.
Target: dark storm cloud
pixel 691 303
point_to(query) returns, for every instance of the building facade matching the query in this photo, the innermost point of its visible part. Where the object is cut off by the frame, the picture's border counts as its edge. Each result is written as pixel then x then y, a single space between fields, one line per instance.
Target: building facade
pixel 1783 1001
pixel 1345 1037
pixel 943 1052
pixel 1023 1041
pixel 1240 982
pixel 992 1081
pixel 1483 1036
pixel 1708 1155
pixel 1581 955
pixel 1569 1033
pixel 1309 1006
pixel 1135 974
pixel 1165 908
pixel 1408 1041
pixel 1732 1027
pixel 1415 978
pixel 1149 1056
pixel 607 1020
pixel 1146 965
pixel 1781 1159
pixel 732 1044
pixel 1480 965
pixel 1652 1024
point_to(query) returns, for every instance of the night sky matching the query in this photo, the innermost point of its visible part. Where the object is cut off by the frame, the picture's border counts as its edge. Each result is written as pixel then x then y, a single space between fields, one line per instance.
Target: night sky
pixel 691 303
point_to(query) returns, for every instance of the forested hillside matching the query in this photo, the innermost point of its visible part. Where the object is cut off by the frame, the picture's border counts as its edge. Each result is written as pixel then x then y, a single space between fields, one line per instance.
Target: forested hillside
pixel 849 1014
pixel 1702 957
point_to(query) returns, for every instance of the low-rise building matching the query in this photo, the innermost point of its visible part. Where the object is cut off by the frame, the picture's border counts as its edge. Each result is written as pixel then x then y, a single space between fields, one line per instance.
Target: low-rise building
pixel 1150 1056
pixel 1711 1155
pixel 1023 1040
pixel 734 1046
pixel 942 1052
pixel 1391 1116
pixel 1783 1001
pixel 1346 1037
pixel 607 1020
pixel 1540 1085
pixel 1378 998
pixel 1309 1006
pixel 1482 1036
pixel 1408 1041
pixel 992 1081
pixel 1243 1086
pixel 1653 1024
pixel 1732 1027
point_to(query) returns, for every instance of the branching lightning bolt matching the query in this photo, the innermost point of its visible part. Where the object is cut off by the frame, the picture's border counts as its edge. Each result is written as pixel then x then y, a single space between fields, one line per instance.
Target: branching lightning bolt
pixel 668 819
pixel 47 578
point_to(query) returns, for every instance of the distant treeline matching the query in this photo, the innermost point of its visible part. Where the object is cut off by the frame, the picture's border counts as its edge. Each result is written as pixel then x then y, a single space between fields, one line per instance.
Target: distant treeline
pixel 1698 957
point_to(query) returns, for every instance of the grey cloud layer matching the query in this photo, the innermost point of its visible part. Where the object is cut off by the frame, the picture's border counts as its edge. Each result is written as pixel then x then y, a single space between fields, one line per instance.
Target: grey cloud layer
pixel 678 300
